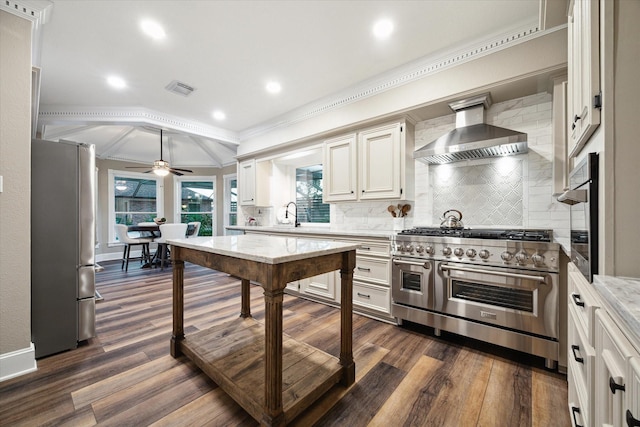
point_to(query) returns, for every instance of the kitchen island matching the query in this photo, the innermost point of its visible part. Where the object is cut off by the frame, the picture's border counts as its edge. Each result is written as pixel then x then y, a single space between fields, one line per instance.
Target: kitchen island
pixel 250 360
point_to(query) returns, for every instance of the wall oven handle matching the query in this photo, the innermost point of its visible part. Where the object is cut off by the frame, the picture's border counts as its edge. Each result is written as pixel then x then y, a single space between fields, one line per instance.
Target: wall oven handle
pixel 495 273
pixel 424 265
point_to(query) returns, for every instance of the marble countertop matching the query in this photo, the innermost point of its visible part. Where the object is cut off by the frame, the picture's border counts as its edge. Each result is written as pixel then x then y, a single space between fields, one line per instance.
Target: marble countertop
pixel 326 231
pixel 264 249
pixel 623 297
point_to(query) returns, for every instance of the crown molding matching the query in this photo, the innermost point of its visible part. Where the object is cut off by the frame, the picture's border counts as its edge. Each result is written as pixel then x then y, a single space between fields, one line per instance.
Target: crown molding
pixel 34 10
pixel 135 116
pixel 402 75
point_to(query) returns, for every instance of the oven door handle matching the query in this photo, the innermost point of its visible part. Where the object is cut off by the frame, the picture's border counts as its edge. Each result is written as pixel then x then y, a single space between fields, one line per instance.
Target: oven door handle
pixel 496 273
pixel 424 265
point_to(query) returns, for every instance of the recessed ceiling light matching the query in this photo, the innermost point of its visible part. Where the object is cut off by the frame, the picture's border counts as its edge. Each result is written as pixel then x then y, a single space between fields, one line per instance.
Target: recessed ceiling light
pixel 116 82
pixel 219 115
pixel 153 29
pixel 382 29
pixel 273 87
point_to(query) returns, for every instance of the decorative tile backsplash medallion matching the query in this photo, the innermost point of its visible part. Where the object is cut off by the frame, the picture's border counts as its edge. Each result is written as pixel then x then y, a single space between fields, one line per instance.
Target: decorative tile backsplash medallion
pixel 489 194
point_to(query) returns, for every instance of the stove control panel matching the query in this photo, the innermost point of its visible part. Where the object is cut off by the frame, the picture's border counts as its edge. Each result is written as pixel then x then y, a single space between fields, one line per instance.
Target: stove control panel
pixel 530 255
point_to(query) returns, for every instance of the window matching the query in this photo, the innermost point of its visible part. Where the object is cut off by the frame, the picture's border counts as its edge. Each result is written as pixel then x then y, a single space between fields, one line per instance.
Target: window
pixel 230 200
pixel 309 195
pixel 195 198
pixel 133 198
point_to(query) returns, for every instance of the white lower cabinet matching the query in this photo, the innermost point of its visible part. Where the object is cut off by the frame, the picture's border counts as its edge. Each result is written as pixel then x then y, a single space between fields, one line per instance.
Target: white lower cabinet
pixel 632 414
pixel 614 352
pixel 371 277
pixel 603 371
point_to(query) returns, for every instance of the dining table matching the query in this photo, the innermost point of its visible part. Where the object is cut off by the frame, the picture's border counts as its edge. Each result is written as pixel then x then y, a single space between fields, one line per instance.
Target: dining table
pixel 153 230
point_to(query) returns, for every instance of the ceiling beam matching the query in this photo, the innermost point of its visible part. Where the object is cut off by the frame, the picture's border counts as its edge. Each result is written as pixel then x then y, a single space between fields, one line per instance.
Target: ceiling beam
pixel 216 159
pixel 62 133
pixel 115 142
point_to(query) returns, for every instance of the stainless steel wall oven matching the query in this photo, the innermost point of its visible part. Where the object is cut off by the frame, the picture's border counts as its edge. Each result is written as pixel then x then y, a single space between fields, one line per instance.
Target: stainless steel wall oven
pixel 583 198
pixel 498 286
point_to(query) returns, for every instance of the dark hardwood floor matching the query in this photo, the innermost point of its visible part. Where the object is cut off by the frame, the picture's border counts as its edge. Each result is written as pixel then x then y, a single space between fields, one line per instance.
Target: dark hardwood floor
pixel 404 375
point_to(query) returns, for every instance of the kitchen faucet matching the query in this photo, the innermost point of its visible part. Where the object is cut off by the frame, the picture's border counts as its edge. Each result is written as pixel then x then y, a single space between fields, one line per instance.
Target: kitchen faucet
pixel 286 212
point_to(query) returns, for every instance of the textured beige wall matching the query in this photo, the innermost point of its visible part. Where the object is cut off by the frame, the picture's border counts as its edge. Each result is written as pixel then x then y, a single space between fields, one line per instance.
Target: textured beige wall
pixel 103 198
pixel 15 164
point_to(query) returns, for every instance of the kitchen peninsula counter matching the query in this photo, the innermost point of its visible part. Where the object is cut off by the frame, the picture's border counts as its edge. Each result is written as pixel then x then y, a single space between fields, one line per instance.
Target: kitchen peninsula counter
pixel 250 360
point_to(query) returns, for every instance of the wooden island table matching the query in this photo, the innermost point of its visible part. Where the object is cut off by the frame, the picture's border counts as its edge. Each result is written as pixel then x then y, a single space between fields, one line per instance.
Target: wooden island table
pixel 271 375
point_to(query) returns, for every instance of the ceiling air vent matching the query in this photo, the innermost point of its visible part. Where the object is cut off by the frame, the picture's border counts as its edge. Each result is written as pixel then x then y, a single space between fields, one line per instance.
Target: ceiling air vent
pixel 180 88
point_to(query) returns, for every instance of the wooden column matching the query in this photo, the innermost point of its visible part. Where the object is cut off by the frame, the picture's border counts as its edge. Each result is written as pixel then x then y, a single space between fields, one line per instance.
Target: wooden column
pixel 346 318
pixel 178 304
pixel 273 411
pixel 245 307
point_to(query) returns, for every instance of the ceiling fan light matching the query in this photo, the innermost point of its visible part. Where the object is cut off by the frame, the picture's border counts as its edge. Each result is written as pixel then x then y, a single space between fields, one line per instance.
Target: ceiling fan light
pixel 161 171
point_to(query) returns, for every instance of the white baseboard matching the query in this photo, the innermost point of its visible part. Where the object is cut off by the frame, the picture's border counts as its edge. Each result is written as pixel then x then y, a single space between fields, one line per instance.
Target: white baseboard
pixel 17 363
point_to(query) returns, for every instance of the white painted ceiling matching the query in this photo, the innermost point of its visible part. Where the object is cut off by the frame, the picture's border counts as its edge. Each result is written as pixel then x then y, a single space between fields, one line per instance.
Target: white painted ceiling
pixel 228 50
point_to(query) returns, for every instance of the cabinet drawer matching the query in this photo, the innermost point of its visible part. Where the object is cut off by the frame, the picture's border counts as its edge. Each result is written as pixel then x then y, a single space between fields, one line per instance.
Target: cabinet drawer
pixel 583 302
pixel 373 248
pixel 372 269
pixel 581 357
pixel 371 296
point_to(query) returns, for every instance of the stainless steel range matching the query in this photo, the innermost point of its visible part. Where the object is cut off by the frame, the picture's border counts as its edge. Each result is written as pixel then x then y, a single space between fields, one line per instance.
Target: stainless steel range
pixel 498 286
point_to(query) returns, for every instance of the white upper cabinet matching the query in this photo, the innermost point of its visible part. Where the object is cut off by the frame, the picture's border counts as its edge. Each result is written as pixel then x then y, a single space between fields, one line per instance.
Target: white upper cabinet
pixel 253 183
pixel 374 164
pixel 584 73
pixel 340 169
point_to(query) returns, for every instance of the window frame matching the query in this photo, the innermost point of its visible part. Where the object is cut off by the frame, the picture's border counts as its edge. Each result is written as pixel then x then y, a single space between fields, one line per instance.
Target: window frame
pixel 294 190
pixel 227 200
pixel 112 173
pixel 177 197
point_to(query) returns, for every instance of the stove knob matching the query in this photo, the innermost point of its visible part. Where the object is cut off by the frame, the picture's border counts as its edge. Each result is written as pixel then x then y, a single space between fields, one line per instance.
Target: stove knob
pixel 458 252
pixel 522 257
pixel 419 249
pixel 446 251
pixel 471 253
pixel 400 247
pixel 484 254
pixel 409 248
pixel 538 260
pixel 429 250
pixel 506 256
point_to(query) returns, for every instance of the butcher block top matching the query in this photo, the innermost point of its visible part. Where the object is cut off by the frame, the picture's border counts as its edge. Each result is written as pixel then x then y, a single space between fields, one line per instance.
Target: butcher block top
pixel 264 249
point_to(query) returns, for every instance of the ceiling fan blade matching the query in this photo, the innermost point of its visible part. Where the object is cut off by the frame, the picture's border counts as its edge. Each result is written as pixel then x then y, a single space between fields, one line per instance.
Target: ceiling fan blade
pixel 182 170
pixel 175 172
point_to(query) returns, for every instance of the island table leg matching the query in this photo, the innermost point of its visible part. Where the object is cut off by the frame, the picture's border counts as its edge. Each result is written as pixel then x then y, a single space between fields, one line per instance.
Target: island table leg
pixel 245 308
pixel 273 412
pixel 346 319
pixel 178 306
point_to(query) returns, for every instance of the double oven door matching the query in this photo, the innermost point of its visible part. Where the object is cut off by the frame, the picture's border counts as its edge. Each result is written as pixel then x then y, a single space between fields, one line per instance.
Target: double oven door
pixel 517 299
pixel 412 282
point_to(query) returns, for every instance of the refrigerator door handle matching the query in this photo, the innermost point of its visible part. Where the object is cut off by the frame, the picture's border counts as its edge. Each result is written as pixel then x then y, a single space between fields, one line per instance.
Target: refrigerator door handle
pixel 86 281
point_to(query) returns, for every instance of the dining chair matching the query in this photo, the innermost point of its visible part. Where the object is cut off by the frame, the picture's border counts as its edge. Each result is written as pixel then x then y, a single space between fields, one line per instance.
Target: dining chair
pixel 196 228
pixel 169 231
pixel 128 241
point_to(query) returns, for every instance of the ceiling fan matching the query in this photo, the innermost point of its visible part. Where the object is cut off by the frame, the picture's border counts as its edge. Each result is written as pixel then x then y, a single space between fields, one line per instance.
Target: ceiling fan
pixel 161 167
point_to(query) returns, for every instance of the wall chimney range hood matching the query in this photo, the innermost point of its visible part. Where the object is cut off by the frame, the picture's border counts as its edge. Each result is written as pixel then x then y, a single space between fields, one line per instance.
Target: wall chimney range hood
pixel 472 138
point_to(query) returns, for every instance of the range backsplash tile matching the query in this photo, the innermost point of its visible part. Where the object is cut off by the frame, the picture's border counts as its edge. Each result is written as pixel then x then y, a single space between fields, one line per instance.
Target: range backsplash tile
pixel 491 193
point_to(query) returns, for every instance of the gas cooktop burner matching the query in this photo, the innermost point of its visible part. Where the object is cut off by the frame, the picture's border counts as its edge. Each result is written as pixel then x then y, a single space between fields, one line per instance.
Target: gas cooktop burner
pixel 479 233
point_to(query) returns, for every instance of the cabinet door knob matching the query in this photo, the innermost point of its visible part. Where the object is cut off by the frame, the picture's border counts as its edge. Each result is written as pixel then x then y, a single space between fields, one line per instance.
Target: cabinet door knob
pixel 632 422
pixel 614 386
pixel 576 118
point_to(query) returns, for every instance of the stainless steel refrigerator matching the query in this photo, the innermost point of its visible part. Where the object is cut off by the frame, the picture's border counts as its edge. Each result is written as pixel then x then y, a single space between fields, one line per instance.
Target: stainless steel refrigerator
pixel 62 245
